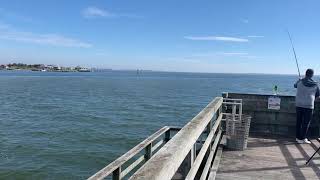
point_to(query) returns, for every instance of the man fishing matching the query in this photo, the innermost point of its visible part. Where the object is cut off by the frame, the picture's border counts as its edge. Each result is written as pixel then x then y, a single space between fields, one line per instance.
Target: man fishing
pixel 307 92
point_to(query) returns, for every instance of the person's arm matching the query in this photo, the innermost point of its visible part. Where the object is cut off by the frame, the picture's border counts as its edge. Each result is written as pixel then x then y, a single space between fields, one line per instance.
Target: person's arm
pixel 317 92
pixel 296 84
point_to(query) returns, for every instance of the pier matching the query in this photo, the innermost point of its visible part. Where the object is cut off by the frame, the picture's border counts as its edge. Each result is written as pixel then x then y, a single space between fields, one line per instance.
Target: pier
pixel 198 150
pixel 272 158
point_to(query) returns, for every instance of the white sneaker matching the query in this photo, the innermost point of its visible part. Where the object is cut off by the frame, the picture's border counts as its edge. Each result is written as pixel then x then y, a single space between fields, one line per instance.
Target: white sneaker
pixel 299 141
pixel 306 141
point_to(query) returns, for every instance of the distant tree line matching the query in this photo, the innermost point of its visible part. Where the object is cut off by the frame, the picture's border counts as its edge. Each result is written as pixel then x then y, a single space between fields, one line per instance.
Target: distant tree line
pixel 42 67
pixel 25 66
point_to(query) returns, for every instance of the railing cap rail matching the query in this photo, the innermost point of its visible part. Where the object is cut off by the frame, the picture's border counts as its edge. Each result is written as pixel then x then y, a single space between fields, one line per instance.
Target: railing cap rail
pixel 167 160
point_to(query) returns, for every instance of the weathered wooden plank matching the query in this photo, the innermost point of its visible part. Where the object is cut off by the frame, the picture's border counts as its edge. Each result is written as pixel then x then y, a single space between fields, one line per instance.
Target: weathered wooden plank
pixel 194 168
pixel 167 160
pixel 132 166
pixel 232 99
pixel 210 158
pixel 124 158
pixel 215 165
pixel 232 103
pixel 207 165
pixel 155 147
pixel 271 157
pixel 140 159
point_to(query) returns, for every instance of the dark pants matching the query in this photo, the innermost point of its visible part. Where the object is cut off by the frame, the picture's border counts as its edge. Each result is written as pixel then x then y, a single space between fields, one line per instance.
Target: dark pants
pixel 304 116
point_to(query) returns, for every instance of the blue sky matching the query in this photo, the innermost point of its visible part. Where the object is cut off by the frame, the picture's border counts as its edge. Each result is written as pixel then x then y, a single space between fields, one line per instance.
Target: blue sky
pixel 235 36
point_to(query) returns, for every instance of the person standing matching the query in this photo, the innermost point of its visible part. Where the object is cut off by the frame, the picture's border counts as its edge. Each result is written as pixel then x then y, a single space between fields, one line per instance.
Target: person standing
pixel 307 92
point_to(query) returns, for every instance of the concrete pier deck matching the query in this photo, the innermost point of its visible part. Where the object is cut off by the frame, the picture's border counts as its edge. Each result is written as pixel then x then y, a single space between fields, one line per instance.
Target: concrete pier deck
pixel 270 158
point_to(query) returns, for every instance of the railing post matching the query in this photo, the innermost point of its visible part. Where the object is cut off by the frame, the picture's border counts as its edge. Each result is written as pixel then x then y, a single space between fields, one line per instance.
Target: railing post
pixel 116 175
pixel 148 153
pixel 234 109
pixel 167 136
pixel 193 153
pixel 209 128
pixel 225 95
pixel 219 112
pixel 234 112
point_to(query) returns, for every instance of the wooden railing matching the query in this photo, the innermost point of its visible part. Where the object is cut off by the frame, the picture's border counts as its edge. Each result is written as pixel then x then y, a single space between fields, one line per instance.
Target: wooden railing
pixel 148 147
pixel 187 145
pixel 166 162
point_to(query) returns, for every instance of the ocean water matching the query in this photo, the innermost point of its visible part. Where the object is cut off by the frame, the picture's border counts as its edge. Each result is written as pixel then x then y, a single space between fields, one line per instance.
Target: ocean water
pixel 70 125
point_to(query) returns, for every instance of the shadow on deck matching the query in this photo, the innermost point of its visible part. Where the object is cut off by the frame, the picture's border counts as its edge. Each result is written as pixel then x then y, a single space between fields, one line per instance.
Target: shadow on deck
pixel 270 158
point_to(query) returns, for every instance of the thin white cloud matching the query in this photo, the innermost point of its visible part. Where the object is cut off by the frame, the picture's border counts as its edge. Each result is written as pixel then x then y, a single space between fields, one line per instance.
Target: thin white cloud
pixel 8 33
pixel 242 55
pixel 216 38
pixel 95 12
pixel 128 15
pixel 218 55
pixel 252 57
pixel 92 12
pixel 234 53
pixel 255 36
pixel 246 21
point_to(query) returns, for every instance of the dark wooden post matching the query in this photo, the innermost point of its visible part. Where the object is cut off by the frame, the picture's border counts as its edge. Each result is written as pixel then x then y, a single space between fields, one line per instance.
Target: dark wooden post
pixel 167 136
pixel 116 175
pixel 148 153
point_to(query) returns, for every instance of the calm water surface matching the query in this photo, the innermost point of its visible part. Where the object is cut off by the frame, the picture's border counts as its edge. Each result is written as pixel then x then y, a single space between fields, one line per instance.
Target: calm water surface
pixel 69 125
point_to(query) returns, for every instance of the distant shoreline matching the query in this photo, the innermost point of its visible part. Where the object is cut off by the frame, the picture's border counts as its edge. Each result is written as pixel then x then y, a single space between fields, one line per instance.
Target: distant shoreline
pixel 42 67
pixel 148 71
pixel 39 70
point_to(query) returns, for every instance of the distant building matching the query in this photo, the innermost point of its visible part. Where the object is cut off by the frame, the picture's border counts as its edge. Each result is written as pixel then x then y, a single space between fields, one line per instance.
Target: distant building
pixel 57 68
pixel 50 67
pixel 82 69
pixel 77 68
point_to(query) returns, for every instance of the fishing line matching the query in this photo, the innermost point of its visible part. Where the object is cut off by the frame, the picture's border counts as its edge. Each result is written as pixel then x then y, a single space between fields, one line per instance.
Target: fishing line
pixel 294 52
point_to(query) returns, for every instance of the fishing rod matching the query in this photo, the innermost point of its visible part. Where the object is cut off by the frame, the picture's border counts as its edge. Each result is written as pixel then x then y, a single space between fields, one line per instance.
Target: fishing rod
pixel 294 52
